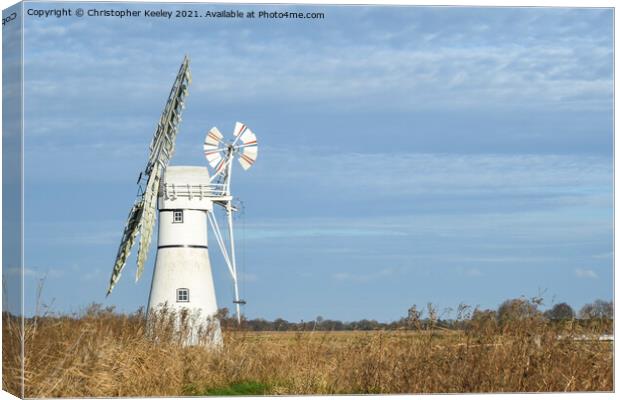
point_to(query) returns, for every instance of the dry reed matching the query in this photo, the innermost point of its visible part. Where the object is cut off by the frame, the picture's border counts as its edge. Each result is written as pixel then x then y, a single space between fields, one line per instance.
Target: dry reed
pixel 102 353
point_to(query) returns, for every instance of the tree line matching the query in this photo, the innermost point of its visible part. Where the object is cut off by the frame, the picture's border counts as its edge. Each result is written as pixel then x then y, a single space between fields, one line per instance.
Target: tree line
pixel 429 316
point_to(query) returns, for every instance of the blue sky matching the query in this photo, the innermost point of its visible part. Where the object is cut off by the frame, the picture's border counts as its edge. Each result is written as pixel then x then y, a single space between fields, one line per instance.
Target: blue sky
pixel 407 154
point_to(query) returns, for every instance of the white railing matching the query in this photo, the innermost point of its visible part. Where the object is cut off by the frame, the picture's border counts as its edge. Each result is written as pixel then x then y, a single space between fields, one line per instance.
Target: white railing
pixel 201 191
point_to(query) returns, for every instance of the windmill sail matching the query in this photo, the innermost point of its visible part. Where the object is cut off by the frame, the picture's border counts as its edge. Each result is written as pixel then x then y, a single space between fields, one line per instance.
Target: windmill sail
pixel 244 145
pixel 246 135
pixel 213 152
pixel 248 156
pixel 148 219
pixel 249 146
pixel 162 145
pixel 142 215
pixel 129 237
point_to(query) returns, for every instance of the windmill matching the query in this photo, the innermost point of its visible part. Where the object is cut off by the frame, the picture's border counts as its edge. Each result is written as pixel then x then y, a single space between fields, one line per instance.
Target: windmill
pixel 187 197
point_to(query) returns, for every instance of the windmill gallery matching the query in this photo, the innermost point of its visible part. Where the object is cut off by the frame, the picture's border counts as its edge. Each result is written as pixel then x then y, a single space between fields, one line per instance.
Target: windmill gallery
pixel 187 198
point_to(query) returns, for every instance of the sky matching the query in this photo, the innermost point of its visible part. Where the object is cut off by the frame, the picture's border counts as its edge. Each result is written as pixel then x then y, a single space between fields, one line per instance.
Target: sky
pixel 407 155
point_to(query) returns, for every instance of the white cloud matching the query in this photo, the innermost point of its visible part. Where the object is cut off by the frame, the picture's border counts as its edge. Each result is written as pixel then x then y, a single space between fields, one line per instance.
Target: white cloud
pixel 604 255
pixel 79 232
pixel 585 273
pixel 568 177
pixel 35 272
pixel 520 243
pixel 91 275
pixel 277 229
pixel 16 271
pixel 467 271
pixel 247 277
pixel 473 272
pixel 365 277
pixel 341 276
pixel 404 78
pixel 383 66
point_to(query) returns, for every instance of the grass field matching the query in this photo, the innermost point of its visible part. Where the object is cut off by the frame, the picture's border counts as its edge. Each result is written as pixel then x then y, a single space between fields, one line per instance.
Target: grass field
pixel 105 354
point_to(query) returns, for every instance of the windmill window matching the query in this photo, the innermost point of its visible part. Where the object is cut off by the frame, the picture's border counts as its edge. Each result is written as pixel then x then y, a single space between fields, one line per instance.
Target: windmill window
pixel 182 295
pixel 177 217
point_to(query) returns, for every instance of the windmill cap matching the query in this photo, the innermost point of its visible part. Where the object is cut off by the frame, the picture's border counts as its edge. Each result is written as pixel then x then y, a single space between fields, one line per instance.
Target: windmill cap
pixel 183 175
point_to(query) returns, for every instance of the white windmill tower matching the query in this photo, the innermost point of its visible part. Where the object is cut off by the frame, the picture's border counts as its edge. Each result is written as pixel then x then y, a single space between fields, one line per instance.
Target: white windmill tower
pixel 187 198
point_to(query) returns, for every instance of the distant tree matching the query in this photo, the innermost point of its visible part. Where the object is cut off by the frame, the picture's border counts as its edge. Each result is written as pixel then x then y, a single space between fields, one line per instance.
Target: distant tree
pixel 226 320
pixel 331 325
pixel 483 321
pixel 399 324
pixel 280 324
pixel 222 313
pixel 433 315
pixel 366 325
pixel 259 324
pixel 560 312
pixel 516 310
pixel 484 315
pixel 413 317
pixel 600 309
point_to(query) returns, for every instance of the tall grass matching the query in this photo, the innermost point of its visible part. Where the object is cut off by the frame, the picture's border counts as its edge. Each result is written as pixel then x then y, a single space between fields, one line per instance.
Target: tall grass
pixel 100 353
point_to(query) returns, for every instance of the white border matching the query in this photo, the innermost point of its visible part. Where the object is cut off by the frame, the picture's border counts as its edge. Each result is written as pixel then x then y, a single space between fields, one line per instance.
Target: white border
pixel 480 3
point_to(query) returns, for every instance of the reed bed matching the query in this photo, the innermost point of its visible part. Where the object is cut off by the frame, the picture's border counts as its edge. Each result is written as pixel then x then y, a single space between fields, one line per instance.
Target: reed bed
pixel 101 353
